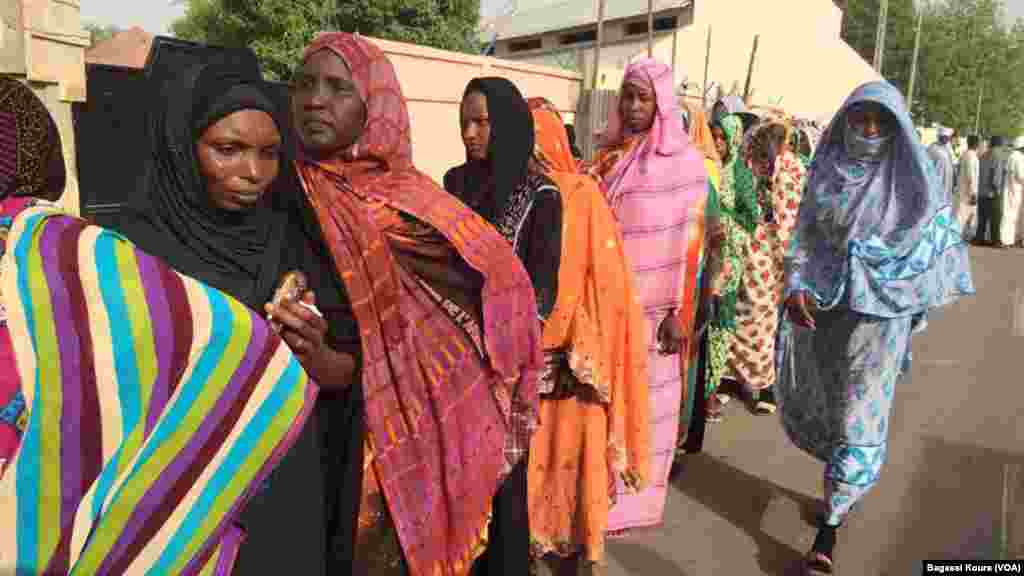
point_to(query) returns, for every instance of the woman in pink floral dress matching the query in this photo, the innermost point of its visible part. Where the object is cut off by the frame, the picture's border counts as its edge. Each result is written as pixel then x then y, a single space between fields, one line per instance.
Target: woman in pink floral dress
pixel 780 175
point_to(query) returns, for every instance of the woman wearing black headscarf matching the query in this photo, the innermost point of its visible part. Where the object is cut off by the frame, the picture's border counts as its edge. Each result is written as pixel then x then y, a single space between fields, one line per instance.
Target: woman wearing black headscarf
pixel 211 203
pixel 497 183
pixel 524 206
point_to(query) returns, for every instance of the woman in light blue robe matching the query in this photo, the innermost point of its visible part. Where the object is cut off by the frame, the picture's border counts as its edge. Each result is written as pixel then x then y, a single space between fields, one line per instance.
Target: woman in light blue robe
pixel 875 249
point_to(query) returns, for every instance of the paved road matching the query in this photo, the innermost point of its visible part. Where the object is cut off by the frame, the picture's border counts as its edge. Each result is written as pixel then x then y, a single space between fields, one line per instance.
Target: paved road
pixel 953 487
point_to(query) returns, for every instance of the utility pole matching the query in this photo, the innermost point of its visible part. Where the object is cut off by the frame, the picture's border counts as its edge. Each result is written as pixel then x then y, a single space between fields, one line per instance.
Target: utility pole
pixel 977 117
pixel 917 51
pixel 750 69
pixel 883 15
pixel 707 64
pixel 650 28
pixel 675 49
pixel 592 121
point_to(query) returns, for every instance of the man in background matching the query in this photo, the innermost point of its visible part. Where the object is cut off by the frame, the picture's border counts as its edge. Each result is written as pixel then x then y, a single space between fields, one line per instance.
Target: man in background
pixel 1012 194
pixel 942 155
pixel 966 202
pixel 989 187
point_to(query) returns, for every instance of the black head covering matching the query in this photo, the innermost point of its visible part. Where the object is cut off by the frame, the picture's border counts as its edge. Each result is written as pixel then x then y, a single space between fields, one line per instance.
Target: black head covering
pixel 31 161
pixel 487 188
pixel 172 216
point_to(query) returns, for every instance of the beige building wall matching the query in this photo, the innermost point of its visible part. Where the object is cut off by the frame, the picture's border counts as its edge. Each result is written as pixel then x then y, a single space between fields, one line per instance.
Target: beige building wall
pixel 802 64
pixel 433 81
pixel 42 42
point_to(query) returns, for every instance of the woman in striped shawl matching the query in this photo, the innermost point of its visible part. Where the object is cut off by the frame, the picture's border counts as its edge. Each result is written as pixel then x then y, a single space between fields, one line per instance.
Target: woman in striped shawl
pixel 156 404
pixel 657 187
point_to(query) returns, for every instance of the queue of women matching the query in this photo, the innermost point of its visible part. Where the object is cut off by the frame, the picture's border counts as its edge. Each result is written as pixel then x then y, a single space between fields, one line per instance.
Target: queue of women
pixel 491 377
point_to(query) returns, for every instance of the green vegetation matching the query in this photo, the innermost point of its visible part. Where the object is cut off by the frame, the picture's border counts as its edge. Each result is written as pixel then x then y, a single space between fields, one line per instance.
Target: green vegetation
pixel 277 30
pixel 967 48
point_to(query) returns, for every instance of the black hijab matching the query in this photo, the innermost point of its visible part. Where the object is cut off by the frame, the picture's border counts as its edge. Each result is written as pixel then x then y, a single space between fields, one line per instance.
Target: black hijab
pixel 172 216
pixel 486 186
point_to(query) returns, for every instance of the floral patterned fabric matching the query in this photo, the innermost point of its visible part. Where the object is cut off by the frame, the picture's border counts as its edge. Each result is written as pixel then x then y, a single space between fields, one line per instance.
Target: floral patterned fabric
pixel 751 359
pixel 736 183
pixel 13 417
pixel 835 392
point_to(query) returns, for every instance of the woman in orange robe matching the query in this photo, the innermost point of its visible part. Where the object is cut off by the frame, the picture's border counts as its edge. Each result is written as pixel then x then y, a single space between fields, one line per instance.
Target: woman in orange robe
pixel 594 412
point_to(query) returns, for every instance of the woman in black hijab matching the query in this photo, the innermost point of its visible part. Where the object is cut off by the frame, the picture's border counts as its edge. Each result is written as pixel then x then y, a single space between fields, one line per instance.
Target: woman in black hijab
pixel 524 205
pixel 219 202
pixel 497 183
pixel 174 216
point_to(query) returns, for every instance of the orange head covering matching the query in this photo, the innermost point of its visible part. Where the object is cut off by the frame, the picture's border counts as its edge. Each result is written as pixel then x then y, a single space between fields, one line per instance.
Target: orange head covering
pixel 700 132
pixel 552 142
pixel 541 103
pixel 596 314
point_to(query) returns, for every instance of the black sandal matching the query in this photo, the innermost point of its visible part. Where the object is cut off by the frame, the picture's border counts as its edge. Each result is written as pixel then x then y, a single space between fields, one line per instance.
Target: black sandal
pixel 764 402
pixel 819 559
pixel 713 411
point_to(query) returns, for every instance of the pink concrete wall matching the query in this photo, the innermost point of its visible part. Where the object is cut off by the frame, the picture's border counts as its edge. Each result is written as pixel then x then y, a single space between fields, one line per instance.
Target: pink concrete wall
pixel 433 81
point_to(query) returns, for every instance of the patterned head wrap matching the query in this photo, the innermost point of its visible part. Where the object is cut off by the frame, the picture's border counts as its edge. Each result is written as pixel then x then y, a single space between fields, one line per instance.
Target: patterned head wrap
pixel 30 147
pixel 700 132
pixel 759 141
pixel 739 195
pixel 878 233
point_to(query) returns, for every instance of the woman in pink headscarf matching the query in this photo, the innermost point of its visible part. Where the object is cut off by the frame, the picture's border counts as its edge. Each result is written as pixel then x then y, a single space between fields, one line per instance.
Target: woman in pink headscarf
pixel 657 187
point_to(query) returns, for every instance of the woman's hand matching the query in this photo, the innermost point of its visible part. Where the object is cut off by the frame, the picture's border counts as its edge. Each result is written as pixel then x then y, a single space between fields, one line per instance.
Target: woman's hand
pixel 305 332
pixel 718 235
pixel 707 314
pixel 670 335
pixel 800 307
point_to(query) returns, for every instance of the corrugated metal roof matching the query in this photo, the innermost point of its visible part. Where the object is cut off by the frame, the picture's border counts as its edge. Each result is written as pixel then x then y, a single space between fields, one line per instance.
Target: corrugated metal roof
pixel 566 14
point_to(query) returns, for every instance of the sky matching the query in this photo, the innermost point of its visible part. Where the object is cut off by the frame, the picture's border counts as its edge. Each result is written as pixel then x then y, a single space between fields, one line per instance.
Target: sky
pixel 155 16
pixel 1015 8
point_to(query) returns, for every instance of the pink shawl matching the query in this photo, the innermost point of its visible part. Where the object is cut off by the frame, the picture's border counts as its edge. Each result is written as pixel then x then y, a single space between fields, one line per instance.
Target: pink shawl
pixel 657 190
pixel 656 186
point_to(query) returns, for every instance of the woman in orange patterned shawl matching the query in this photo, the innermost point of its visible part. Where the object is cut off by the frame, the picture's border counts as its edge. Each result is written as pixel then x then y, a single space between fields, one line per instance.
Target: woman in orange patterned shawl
pixel 594 402
pixel 450 343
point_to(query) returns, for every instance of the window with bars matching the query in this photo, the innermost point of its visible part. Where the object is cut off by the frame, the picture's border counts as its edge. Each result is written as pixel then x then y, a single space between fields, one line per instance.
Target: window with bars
pixel 524 45
pixel 578 37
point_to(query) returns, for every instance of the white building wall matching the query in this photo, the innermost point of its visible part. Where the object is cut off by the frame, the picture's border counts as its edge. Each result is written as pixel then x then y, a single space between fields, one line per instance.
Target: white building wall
pixel 802 64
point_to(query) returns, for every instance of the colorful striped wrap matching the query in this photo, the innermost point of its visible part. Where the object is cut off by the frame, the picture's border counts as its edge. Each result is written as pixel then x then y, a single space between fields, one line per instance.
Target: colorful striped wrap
pixel 157 406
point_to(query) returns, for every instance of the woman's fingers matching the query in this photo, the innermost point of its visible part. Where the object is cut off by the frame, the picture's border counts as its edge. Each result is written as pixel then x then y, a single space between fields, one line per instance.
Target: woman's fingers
pixel 808 317
pixel 297 318
pixel 800 312
pixel 298 344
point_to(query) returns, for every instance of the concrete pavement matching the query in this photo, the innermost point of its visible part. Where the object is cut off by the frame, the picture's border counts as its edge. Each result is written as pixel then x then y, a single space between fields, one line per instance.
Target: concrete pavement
pixel 953 486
